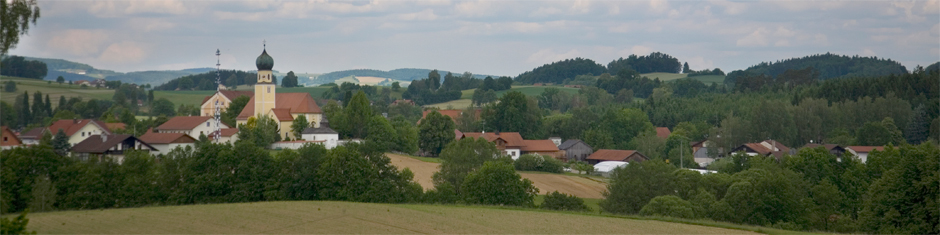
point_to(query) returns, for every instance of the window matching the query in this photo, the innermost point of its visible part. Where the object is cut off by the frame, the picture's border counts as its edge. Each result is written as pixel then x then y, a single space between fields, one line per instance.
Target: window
pixel 269 89
pixel 83 134
pixel 4 139
pixel 207 123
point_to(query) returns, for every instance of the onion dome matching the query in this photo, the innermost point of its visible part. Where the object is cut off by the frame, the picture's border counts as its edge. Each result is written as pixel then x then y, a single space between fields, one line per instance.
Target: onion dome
pixel 264 61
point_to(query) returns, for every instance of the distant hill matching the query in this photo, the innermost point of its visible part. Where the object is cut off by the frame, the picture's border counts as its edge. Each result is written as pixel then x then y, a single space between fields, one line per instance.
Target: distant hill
pixel 155 77
pixel 558 72
pixel 74 71
pixel 828 65
pixel 409 74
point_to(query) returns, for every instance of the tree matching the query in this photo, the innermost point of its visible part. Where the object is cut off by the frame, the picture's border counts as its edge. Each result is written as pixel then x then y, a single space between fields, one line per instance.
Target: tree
pixel 434 80
pixel 918 129
pixel 290 80
pixel 496 183
pixel 563 202
pixel 60 143
pixel 163 106
pixel 514 113
pixel 297 127
pixel 16 16
pixel 462 157
pixel 435 131
pixel 261 130
pixel 626 193
pixel 18 224
pixel 406 139
pixel 60 80
pixel 381 133
pixel 234 108
pixel 43 195
pixel 668 205
pixel 396 86
pixel 186 83
pixel 7 114
pixel 685 67
pixel 25 116
pixel 356 116
pixel 232 81
pixel 904 198
pixel 149 96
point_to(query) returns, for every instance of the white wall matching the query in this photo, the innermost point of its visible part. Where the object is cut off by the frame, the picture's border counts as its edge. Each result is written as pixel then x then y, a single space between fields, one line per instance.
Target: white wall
pixel 89 129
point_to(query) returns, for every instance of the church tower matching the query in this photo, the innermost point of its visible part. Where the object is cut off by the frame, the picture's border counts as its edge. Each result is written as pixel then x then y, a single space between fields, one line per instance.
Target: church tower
pixel 265 88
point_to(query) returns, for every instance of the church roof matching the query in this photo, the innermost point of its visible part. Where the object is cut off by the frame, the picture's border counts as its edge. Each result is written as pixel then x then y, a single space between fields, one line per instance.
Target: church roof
pixel 295 102
pixel 264 61
pixel 282 114
pixel 231 95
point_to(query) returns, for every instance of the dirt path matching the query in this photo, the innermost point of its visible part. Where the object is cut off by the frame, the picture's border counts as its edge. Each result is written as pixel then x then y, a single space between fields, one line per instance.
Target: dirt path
pixel 546 183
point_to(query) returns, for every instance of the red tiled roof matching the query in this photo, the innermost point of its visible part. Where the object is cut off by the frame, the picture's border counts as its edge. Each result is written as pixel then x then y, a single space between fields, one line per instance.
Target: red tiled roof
pixel 183 123
pixel 231 95
pixel 539 146
pixel 9 138
pixel 295 102
pixel 166 138
pixel 513 139
pixel 866 149
pixel 663 132
pixel 615 155
pixel 35 133
pixel 282 114
pixel 759 148
pixel 777 145
pixel 227 132
pixel 71 126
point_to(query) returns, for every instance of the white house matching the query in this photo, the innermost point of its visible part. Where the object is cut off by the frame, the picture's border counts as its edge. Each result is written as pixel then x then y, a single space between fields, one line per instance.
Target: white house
pixel 165 142
pixel 79 129
pixel 193 126
pixel 863 151
pixel 324 133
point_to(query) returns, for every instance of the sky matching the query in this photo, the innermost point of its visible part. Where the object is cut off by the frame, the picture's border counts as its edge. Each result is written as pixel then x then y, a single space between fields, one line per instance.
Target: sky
pixel 482 37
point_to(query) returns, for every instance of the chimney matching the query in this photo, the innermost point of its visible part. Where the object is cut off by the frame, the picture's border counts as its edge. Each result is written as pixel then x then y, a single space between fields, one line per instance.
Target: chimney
pixel 104 137
pixel 75 120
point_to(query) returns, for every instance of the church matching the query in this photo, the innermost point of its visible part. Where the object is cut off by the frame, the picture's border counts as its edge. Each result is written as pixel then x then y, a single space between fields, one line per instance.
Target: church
pixel 284 108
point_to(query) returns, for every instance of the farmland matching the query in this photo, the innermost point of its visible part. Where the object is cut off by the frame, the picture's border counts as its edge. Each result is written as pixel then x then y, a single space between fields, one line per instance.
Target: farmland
pixel 707 79
pixel 345 217
pixel 54 90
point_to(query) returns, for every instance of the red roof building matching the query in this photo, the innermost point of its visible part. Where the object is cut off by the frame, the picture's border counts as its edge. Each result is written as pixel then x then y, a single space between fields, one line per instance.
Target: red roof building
pixel 8 139
pixel 616 155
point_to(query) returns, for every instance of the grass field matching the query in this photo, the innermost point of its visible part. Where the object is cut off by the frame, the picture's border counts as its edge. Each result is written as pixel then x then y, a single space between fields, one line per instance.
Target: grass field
pixel 456 104
pixel 346 217
pixel 54 90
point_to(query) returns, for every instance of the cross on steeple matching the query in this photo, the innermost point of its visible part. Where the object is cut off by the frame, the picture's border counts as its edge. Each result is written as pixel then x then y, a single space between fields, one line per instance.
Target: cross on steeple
pixel 264 44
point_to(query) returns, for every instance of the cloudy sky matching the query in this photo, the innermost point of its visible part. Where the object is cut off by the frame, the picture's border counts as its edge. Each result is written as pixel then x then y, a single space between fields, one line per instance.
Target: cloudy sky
pixel 485 37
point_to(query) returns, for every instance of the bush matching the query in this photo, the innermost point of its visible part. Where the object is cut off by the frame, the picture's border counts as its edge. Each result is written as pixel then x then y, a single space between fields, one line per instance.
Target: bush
pixel 496 183
pixel 563 202
pixel 668 205
pixel 535 162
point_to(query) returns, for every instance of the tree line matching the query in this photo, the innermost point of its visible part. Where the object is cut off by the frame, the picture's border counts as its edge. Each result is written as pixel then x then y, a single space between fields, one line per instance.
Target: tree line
pixel 828 65
pixel 207 80
pixel 894 192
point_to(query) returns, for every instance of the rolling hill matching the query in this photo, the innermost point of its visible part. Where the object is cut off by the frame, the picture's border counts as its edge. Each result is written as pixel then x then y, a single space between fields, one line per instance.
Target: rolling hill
pixel 827 65
pixel 346 217
pixel 405 75
pixel 74 71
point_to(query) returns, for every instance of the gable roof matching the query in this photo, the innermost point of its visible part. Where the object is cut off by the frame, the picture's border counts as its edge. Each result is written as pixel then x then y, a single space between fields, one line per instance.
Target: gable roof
pixel 166 138
pixel 539 146
pixel 294 102
pixel 513 139
pixel 570 143
pixel 615 155
pixel 228 132
pixel 96 144
pixel 663 132
pixel 9 138
pixel 320 130
pixel 230 95
pixel 33 134
pixel 183 123
pixel 865 149
pixel 829 147
pixel 775 144
pixel 71 126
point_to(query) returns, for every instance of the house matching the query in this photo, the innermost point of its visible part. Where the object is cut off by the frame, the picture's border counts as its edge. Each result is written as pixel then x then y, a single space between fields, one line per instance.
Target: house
pixel 109 146
pixel 511 143
pixel 576 150
pixel 79 129
pixel 284 108
pixel 663 132
pixel 32 136
pixel 700 152
pixel 764 148
pixel 165 142
pixel 616 155
pixel 541 147
pixel 834 149
pixel 229 135
pixel 863 151
pixel 223 99
pixel 193 126
pixel 324 133
pixel 82 82
pixel 9 139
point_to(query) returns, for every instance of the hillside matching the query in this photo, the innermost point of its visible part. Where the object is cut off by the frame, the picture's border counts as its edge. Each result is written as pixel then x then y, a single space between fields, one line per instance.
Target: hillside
pixel 54 90
pixel 828 65
pixel 72 71
pixel 406 75
pixel 345 217
pixel 155 77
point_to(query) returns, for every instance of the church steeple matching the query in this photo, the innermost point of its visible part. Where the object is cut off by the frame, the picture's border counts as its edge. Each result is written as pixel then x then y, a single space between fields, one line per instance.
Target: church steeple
pixel 265 88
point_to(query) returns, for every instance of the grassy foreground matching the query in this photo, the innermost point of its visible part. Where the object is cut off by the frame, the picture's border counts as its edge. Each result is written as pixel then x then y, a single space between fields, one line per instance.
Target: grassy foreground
pixel 346 217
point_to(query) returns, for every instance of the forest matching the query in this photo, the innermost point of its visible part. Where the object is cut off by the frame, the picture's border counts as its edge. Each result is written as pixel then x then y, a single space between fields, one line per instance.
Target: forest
pixel 206 81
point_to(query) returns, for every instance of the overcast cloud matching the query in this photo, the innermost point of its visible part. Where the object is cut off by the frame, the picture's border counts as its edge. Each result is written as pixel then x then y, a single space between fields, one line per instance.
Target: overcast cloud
pixel 486 37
